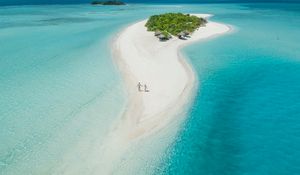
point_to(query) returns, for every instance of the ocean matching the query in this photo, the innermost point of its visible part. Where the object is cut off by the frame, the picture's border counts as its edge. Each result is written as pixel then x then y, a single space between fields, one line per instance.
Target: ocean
pixel 60 92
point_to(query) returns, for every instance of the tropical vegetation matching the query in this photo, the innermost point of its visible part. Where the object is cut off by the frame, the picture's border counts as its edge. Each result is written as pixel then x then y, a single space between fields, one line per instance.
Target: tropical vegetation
pixel 176 24
pixel 112 2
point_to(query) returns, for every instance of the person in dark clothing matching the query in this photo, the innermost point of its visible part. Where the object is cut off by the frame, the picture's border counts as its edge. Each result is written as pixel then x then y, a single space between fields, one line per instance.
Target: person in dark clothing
pixel 139 85
pixel 145 88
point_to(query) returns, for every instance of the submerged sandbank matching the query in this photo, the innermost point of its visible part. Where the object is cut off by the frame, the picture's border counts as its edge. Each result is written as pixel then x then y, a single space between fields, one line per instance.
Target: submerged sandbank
pixel 141 57
pixel 159 65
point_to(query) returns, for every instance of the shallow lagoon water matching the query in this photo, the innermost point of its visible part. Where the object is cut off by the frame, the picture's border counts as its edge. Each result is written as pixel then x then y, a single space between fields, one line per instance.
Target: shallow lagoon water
pixel 60 91
pixel 245 119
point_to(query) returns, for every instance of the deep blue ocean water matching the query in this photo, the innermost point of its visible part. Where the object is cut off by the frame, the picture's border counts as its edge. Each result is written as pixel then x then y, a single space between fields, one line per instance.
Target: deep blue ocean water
pixel 46 2
pixel 60 90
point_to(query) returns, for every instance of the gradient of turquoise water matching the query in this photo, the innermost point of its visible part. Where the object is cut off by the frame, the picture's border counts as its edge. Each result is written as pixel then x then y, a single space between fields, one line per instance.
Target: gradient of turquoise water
pixel 246 115
pixel 55 76
pixel 60 90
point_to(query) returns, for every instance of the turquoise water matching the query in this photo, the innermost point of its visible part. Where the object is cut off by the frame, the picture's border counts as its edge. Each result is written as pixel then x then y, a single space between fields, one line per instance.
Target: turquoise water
pixel 60 91
pixel 246 115
pixel 57 87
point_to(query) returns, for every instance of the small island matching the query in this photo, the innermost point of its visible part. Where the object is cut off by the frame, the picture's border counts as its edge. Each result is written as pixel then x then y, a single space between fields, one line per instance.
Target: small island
pixel 174 24
pixel 115 2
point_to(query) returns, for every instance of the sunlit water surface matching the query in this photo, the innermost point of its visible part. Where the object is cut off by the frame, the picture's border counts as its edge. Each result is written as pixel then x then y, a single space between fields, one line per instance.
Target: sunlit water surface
pixel 60 92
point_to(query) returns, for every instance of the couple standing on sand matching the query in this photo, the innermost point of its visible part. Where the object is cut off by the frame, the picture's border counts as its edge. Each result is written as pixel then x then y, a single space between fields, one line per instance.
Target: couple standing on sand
pixel 139 85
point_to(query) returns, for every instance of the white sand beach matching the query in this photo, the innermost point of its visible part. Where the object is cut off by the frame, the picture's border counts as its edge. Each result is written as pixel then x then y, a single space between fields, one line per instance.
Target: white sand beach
pixel 141 57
